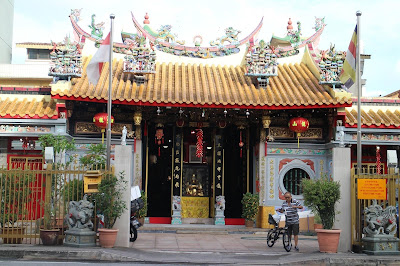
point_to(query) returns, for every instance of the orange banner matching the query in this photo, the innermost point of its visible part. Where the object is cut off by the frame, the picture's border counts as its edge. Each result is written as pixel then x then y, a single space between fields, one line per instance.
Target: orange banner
pixel 372 189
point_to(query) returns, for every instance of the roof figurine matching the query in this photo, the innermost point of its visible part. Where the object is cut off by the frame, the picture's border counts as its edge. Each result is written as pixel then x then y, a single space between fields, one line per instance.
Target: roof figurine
pixel 66 60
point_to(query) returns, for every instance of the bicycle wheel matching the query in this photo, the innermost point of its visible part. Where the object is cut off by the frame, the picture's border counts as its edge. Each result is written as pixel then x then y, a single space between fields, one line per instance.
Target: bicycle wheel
pixel 286 241
pixel 271 237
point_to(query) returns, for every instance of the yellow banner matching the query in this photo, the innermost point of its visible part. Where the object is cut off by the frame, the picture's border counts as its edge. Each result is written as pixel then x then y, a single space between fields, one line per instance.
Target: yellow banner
pixel 372 189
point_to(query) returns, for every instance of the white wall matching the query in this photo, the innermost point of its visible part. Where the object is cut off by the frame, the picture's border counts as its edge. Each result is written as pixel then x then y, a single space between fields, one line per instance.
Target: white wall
pixel 6 30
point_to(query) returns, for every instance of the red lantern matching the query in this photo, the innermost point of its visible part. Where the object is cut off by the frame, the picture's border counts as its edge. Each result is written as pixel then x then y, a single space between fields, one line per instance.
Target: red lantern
pixel 100 120
pixel 298 125
pixel 159 139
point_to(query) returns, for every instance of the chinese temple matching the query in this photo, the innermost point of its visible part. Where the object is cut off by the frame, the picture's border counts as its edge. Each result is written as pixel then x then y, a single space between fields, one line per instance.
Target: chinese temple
pixel 209 123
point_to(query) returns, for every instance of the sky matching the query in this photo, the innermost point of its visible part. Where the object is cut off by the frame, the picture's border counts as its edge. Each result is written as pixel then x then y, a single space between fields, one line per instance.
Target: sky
pixel 45 21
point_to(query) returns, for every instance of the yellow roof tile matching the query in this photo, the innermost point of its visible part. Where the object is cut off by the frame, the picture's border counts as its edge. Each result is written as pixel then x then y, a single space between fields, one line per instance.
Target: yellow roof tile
pixel 374 117
pixel 28 108
pixel 204 85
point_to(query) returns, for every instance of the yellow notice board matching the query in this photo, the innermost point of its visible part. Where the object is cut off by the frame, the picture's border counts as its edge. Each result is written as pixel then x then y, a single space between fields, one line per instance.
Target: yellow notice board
pixel 371 189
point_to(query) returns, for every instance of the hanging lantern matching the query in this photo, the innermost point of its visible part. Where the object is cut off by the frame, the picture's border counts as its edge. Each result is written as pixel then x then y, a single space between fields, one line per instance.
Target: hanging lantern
pixel 298 125
pixel 199 143
pixel 100 120
pixel 159 139
pixel 241 144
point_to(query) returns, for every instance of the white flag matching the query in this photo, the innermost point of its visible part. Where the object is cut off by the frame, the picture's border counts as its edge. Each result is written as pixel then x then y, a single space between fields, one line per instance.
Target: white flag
pixel 95 65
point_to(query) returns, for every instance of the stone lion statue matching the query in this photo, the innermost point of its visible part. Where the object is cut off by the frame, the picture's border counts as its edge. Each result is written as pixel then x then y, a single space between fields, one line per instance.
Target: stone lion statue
pixel 80 214
pixel 176 203
pixel 220 203
pixel 380 221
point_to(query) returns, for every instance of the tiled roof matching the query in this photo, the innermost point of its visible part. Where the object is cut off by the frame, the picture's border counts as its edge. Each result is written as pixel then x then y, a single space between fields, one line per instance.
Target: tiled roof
pixel 38 45
pixel 395 94
pixel 204 85
pixel 374 118
pixel 27 108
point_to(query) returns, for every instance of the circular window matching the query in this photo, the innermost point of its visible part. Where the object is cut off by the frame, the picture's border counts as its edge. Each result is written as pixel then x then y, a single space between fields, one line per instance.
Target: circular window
pixel 292 180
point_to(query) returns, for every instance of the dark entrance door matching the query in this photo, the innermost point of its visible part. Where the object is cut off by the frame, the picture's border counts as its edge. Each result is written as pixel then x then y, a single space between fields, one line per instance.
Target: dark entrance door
pixel 159 172
pixel 235 171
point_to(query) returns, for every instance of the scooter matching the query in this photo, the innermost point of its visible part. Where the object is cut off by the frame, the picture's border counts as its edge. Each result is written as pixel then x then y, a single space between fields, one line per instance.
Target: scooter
pixel 136 204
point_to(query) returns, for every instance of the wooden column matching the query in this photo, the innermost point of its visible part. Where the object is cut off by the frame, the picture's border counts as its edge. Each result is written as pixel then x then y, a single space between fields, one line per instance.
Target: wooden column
pixel 177 176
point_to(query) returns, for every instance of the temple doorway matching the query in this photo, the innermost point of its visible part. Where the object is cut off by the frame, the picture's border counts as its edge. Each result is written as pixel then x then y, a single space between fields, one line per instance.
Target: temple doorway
pixel 159 170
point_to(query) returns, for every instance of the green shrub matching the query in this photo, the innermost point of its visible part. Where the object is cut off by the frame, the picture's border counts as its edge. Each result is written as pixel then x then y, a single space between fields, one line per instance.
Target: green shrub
pixel 109 201
pixel 143 211
pixel 250 203
pixel 321 196
pixel 95 158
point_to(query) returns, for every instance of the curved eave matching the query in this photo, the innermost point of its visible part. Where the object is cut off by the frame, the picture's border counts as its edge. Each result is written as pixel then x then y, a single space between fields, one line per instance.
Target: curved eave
pixel 80 31
pixel 205 105
pixel 29 117
pixel 347 125
pixel 191 48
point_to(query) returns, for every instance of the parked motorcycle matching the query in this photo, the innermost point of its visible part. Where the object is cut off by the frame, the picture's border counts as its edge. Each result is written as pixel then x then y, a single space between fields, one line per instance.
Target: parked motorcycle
pixel 136 204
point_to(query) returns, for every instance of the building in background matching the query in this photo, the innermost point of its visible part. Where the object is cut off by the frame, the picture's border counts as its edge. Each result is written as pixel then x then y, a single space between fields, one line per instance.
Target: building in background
pixel 6 30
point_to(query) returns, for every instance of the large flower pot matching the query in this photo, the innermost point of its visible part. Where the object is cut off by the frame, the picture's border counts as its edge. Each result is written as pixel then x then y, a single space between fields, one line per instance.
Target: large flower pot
pixel 107 237
pixel 10 235
pixel 328 240
pixel 249 224
pixel 49 237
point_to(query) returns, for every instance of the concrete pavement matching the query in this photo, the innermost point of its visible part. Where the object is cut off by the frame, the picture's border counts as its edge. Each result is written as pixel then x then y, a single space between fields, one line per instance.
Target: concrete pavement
pixel 198 245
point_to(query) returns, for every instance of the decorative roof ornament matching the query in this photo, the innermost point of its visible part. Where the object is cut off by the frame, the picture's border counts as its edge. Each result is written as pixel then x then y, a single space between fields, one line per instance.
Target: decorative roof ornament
pixel 97 28
pixel 140 61
pixel 331 64
pixel 66 60
pixel 146 19
pixel 319 23
pixel 261 61
pixel 231 36
pixel 294 36
pixel 76 14
pixel 164 34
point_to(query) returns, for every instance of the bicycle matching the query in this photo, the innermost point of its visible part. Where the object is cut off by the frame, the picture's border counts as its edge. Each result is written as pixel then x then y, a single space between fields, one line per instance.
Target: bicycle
pixel 273 234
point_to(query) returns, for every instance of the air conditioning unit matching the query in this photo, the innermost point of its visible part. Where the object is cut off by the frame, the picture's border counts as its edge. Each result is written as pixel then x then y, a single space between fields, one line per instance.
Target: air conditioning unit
pixel 392 158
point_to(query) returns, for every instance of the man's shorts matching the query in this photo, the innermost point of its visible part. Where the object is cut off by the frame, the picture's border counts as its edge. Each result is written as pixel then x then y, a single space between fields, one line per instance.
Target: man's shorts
pixel 293 229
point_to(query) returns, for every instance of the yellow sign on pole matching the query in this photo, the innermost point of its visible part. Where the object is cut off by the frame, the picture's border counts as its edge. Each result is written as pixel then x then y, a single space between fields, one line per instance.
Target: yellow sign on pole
pixel 372 189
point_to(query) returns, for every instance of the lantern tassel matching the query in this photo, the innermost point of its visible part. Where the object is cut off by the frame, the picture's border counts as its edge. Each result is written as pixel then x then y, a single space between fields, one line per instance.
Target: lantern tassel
pixel 134 145
pixel 298 140
pixel 265 149
pixel 159 151
pixel 102 136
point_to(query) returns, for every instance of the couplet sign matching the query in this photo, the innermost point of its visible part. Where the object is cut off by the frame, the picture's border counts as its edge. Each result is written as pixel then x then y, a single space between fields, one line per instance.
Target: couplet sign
pixel 371 189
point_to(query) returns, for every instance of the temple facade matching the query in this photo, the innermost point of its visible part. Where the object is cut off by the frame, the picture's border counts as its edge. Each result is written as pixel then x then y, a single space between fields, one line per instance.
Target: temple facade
pixel 207 122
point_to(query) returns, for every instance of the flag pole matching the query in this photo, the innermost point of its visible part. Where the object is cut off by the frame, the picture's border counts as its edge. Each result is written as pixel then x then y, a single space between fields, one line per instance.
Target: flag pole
pixel 109 102
pixel 358 73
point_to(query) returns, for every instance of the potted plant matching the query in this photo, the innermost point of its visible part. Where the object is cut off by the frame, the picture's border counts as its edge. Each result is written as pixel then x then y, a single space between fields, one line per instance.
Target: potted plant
pixel 15 196
pixel 110 204
pixel 50 227
pixel 321 196
pixel 49 233
pixel 142 213
pixel 250 203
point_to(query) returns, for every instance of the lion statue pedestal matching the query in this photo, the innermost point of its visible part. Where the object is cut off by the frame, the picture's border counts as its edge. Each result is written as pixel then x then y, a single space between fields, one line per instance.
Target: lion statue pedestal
pixel 380 230
pixel 80 232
